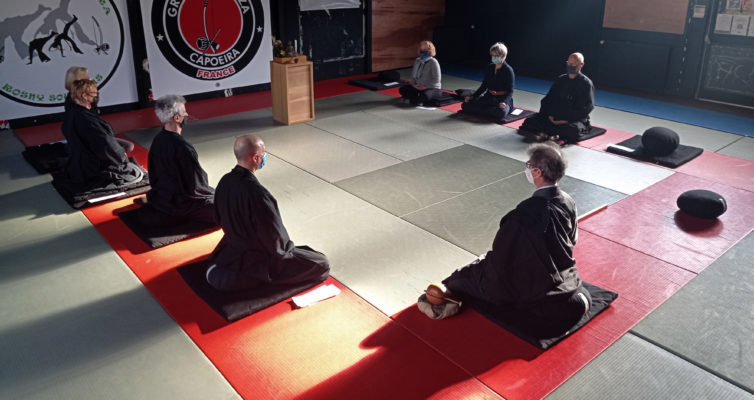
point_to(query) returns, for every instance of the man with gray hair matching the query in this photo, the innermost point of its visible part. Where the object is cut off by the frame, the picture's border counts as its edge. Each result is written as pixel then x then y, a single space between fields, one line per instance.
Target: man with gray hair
pixel 530 274
pixel 180 190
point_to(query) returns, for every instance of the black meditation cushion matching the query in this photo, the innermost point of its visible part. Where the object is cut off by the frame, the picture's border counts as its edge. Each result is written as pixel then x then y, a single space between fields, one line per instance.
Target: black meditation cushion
pixel 702 203
pixel 389 76
pixel 465 92
pixel 659 141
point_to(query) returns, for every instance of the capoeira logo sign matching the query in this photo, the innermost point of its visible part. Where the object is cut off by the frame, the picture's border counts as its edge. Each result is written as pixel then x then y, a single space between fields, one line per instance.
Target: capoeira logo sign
pixel 40 40
pixel 208 39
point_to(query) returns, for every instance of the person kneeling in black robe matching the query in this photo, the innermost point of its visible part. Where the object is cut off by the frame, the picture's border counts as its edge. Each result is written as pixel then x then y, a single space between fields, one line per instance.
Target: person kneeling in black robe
pixel 97 161
pixel 256 250
pixel 530 276
pixel 180 190
pixel 564 111
pixel 494 98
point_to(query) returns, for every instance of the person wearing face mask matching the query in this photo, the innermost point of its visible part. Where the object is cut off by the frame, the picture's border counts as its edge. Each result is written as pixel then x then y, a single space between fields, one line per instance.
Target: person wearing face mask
pixel 564 111
pixel 530 274
pixel 97 161
pixel 425 77
pixel 494 98
pixel 256 250
pixel 180 190
pixel 73 74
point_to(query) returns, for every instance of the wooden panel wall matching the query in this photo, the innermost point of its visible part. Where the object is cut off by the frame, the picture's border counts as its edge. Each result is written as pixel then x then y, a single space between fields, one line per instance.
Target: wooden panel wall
pixel 397 28
pixel 668 16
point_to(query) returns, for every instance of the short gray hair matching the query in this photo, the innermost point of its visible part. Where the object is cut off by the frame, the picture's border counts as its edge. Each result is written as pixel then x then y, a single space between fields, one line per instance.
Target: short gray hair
pixel 167 106
pixel 549 159
pixel 73 74
pixel 499 48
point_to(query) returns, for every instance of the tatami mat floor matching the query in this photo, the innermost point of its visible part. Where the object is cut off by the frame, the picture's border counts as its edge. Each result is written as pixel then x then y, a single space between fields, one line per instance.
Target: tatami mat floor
pixel 397 198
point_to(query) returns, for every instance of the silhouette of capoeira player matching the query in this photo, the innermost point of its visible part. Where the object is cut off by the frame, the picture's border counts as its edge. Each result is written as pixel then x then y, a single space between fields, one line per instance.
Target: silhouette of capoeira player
pixel 58 42
pixel 38 45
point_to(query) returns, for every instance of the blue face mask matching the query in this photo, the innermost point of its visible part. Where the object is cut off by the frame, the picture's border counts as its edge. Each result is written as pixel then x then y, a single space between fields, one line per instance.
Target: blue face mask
pixel 264 161
pixel 424 54
pixel 572 69
pixel 496 60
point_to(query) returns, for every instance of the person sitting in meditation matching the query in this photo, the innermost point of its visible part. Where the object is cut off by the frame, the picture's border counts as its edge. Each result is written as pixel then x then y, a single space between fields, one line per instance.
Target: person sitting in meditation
pixel 494 98
pixel 530 273
pixel 425 76
pixel 180 190
pixel 97 161
pixel 76 73
pixel 256 250
pixel 564 111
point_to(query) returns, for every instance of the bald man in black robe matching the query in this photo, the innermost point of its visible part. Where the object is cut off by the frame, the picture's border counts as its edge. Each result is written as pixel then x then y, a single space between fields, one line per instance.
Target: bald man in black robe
pixel 180 190
pixel 256 250
pixel 564 111
pixel 530 275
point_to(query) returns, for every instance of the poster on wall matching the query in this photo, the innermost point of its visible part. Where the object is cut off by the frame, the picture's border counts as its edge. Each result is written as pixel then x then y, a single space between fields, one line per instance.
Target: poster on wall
pixel 41 39
pixel 196 46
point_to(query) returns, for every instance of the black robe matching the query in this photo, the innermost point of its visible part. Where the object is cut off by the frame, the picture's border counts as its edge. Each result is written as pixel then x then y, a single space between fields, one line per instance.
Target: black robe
pixel 256 249
pixel 97 160
pixel 568 100
pixel 179 184
pixel 530 269
pixel 487 105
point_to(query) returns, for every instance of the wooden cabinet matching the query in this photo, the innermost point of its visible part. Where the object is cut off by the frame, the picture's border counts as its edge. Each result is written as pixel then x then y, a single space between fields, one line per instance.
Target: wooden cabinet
pixel 292 91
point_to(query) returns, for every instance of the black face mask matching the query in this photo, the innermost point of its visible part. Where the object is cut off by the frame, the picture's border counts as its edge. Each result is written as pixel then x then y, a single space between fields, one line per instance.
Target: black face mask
pixel 183 123
pixel 95 100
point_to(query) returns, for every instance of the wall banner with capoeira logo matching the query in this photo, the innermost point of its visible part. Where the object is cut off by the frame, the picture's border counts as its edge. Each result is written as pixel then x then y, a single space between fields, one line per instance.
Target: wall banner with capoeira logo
pixel 41 39
pixel 196 46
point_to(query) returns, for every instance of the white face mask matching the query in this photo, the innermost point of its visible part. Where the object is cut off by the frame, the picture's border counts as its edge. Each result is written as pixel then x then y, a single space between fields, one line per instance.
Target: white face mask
pixel 529 177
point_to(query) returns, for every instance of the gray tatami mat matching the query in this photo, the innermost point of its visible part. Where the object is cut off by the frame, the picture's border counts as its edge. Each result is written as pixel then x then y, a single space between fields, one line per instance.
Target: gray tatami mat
pixel 634 369
pixel 471 220
pixel 415 184
pixel 742 148
pixel 331 106
pixel 75 323
pixel 384 135
pixel 323 154
pixel 710 321
pixel 439 121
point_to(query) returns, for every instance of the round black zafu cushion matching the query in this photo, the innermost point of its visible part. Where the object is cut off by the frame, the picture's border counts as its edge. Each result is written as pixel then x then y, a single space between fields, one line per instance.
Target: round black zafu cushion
pixel 702 203
pixel 659 141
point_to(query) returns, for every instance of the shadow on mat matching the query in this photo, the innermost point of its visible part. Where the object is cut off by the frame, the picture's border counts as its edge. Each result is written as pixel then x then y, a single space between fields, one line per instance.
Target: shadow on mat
pixel 699 227
pixel 76 340
pixel 413 373
pixel 33 202
pixel 59 250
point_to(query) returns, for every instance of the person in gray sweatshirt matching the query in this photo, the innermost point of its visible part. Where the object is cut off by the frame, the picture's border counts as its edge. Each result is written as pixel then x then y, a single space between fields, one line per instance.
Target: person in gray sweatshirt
pixel 425 76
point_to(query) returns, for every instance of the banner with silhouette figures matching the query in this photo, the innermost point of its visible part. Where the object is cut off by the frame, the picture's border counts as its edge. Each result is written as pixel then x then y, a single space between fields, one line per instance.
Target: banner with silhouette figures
pixel 41 39
pixel 197 46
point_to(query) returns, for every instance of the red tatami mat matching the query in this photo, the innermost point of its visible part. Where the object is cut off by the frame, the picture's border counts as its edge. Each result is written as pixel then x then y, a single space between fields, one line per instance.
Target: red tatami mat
pixel 729 170
pixel 518 370
pixel 340 348
pixel 650 222
pixel 612 136
pixel 338 86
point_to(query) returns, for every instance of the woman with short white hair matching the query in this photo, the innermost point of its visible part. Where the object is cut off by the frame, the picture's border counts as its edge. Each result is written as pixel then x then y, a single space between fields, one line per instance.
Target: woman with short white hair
pixel 494 98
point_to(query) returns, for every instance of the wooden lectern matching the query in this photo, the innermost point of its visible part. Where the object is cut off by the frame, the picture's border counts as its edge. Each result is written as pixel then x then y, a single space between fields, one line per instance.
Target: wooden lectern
pixel 292 89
